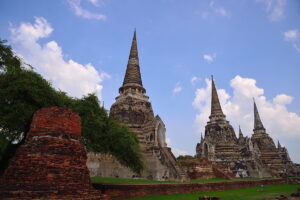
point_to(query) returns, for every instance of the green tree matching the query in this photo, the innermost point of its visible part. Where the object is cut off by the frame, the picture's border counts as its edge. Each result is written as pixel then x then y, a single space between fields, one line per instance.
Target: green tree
pixel 103 134
pixel 23 92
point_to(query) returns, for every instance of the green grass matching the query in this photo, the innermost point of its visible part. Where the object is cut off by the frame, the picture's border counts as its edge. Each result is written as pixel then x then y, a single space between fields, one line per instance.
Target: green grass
pixel 223 179
pixel 106 180
pixel 252 193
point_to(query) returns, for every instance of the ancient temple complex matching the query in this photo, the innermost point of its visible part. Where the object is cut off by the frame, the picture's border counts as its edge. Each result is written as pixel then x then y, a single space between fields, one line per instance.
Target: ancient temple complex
pixel 133 108
pixel 220 152
pixel 255 157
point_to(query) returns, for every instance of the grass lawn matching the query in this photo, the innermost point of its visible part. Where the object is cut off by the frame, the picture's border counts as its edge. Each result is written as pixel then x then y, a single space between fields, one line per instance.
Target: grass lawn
pixel 253 193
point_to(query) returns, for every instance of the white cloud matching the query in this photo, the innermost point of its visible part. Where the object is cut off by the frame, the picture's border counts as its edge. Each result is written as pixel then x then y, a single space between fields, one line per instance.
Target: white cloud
pixel 213 9
pixel 179 152
pixel 194 80
pixel 96 3
pixel 48 59
pixel 279 122
pixel 274 8
pixel 177 89
pixel 209 57
pixel 283 99
pixel 219 10
pixel 81 12
pixel 291 35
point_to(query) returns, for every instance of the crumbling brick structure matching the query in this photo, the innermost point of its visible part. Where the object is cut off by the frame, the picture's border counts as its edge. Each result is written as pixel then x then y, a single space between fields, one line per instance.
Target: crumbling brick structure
pixel 51 164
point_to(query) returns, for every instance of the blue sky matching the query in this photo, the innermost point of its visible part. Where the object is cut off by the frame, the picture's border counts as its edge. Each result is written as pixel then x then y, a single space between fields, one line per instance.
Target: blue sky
pixel 252 47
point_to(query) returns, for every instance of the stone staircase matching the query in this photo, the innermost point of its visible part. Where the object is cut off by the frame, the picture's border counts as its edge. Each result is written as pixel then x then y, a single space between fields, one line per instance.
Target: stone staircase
pixel 182 175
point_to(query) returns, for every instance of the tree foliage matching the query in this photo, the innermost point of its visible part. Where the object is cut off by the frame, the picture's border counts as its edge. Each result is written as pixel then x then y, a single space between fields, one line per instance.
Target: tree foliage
pixel 185 157
pixel 23 92
pixel 103 134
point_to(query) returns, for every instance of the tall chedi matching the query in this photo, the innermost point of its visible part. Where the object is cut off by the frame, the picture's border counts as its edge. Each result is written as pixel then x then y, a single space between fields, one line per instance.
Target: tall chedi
pixel 220 142
pixel 266 148
pixel 133 108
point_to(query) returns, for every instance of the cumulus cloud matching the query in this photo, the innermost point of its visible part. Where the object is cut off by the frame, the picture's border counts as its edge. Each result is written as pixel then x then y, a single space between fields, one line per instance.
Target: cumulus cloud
pixel 274 8
pixel 177 89
pixel 195 80
pixel 78 10
pixel 209 57
pixel 238 108
pixel 219 10
pixel 283 99
pixel 48 59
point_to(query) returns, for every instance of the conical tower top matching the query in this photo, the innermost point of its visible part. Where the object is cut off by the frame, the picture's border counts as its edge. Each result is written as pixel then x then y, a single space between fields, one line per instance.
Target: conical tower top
pixel 133 77
pixel 258 125
pixel 278 145
pixel 216 110
pixel 240 132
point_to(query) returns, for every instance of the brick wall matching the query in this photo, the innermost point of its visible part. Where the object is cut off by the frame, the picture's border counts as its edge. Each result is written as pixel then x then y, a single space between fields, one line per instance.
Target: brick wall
pixel 51 164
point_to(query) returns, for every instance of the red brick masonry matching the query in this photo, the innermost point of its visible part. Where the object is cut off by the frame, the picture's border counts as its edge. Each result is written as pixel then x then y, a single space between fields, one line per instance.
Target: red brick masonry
pixel 141 190
pixel 51 164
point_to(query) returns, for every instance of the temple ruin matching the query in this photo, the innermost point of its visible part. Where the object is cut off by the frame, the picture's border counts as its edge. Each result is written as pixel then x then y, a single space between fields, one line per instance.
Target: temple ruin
pixel 133 108
pixel 256 156
pixel 51 164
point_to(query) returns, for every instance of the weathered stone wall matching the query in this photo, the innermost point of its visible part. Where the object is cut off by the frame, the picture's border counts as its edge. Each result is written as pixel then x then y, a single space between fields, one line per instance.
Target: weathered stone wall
pixel 203 168
pixel 106 165
pixel 51 164
pixel 159 165
pixel 140 190
pixel 135 110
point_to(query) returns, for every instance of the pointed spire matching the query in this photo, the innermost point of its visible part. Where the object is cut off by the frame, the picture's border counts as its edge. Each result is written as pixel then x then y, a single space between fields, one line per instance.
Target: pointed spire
pixel 201 136
pixel 258 125
pixel 216 110
pixel 278 145
pixel 240 132
pixel 133 74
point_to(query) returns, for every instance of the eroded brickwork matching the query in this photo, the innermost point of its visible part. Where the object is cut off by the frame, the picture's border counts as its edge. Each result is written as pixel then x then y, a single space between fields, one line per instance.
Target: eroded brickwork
pixel 51 164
